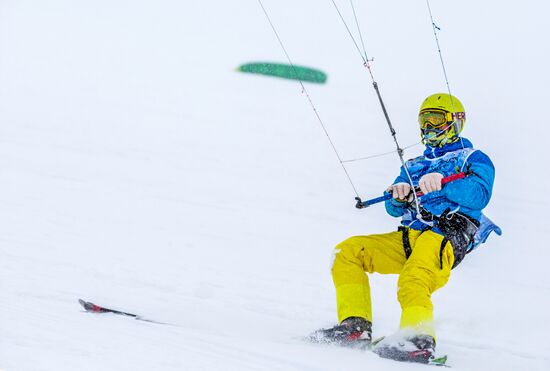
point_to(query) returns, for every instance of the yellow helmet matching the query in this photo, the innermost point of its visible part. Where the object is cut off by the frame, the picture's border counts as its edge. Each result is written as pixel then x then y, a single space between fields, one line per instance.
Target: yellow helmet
pixel 441 118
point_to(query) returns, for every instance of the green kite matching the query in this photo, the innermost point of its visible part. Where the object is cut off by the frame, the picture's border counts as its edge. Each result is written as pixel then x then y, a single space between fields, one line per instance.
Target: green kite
pixel 285 71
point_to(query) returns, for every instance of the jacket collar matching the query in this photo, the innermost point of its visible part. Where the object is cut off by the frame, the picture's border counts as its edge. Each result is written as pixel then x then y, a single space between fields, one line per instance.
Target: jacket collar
pixel 434 152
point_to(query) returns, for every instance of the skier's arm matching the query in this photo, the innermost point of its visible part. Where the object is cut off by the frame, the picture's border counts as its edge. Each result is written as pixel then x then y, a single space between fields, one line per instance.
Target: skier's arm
pixel 394 207
pixel 475 190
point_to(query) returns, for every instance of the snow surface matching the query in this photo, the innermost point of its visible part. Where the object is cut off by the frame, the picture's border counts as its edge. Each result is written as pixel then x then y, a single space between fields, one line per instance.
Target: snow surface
pixel 138 170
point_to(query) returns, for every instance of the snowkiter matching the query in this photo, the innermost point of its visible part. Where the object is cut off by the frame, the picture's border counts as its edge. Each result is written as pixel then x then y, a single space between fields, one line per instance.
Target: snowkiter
pixel 435 234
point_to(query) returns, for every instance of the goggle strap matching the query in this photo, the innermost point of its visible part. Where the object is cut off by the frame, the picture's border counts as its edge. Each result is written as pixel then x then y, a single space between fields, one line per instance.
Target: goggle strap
pixel 456 116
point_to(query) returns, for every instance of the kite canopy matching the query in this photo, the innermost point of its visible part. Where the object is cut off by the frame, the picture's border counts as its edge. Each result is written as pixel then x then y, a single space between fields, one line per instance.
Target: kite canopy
pixel 285 71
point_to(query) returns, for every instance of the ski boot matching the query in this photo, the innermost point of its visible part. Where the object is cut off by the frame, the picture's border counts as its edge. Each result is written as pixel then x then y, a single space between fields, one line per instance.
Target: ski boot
pixel 353 332
pixel 418 349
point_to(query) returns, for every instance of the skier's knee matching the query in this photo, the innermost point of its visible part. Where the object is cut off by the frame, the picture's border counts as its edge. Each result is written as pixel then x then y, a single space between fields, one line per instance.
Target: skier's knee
pixel 346 252
pixel 415 289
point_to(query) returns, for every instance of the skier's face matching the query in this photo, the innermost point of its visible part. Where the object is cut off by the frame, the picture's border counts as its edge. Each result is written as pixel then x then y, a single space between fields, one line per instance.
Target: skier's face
pixel 438 127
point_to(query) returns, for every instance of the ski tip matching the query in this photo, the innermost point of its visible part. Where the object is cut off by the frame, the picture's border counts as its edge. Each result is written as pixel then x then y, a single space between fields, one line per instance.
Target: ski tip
pixel 440 361
pixel 88 307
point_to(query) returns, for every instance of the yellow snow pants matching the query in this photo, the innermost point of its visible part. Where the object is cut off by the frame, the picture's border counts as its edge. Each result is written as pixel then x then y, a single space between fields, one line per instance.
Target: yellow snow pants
pixel 419 276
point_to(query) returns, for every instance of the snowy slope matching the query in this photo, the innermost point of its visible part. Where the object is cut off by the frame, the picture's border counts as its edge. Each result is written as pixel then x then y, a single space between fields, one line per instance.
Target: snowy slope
pixel 138 170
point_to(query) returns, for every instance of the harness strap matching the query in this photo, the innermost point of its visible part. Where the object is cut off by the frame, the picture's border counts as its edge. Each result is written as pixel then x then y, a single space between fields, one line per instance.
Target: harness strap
pixel 406 241
pixel 443 243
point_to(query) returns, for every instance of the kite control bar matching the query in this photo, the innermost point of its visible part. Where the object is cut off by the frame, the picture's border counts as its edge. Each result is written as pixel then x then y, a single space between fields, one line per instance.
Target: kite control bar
pixel 363 204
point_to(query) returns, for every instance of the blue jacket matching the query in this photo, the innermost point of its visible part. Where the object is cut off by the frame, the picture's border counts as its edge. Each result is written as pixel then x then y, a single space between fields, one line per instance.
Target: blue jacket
pixel 469 195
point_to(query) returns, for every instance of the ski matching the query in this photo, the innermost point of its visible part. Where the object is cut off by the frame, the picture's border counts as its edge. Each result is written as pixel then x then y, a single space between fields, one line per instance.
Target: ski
pixel 94 308
pixel 91 307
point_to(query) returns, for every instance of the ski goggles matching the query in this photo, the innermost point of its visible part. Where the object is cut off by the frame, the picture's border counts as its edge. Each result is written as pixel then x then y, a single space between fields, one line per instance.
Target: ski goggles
pixel 438 118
